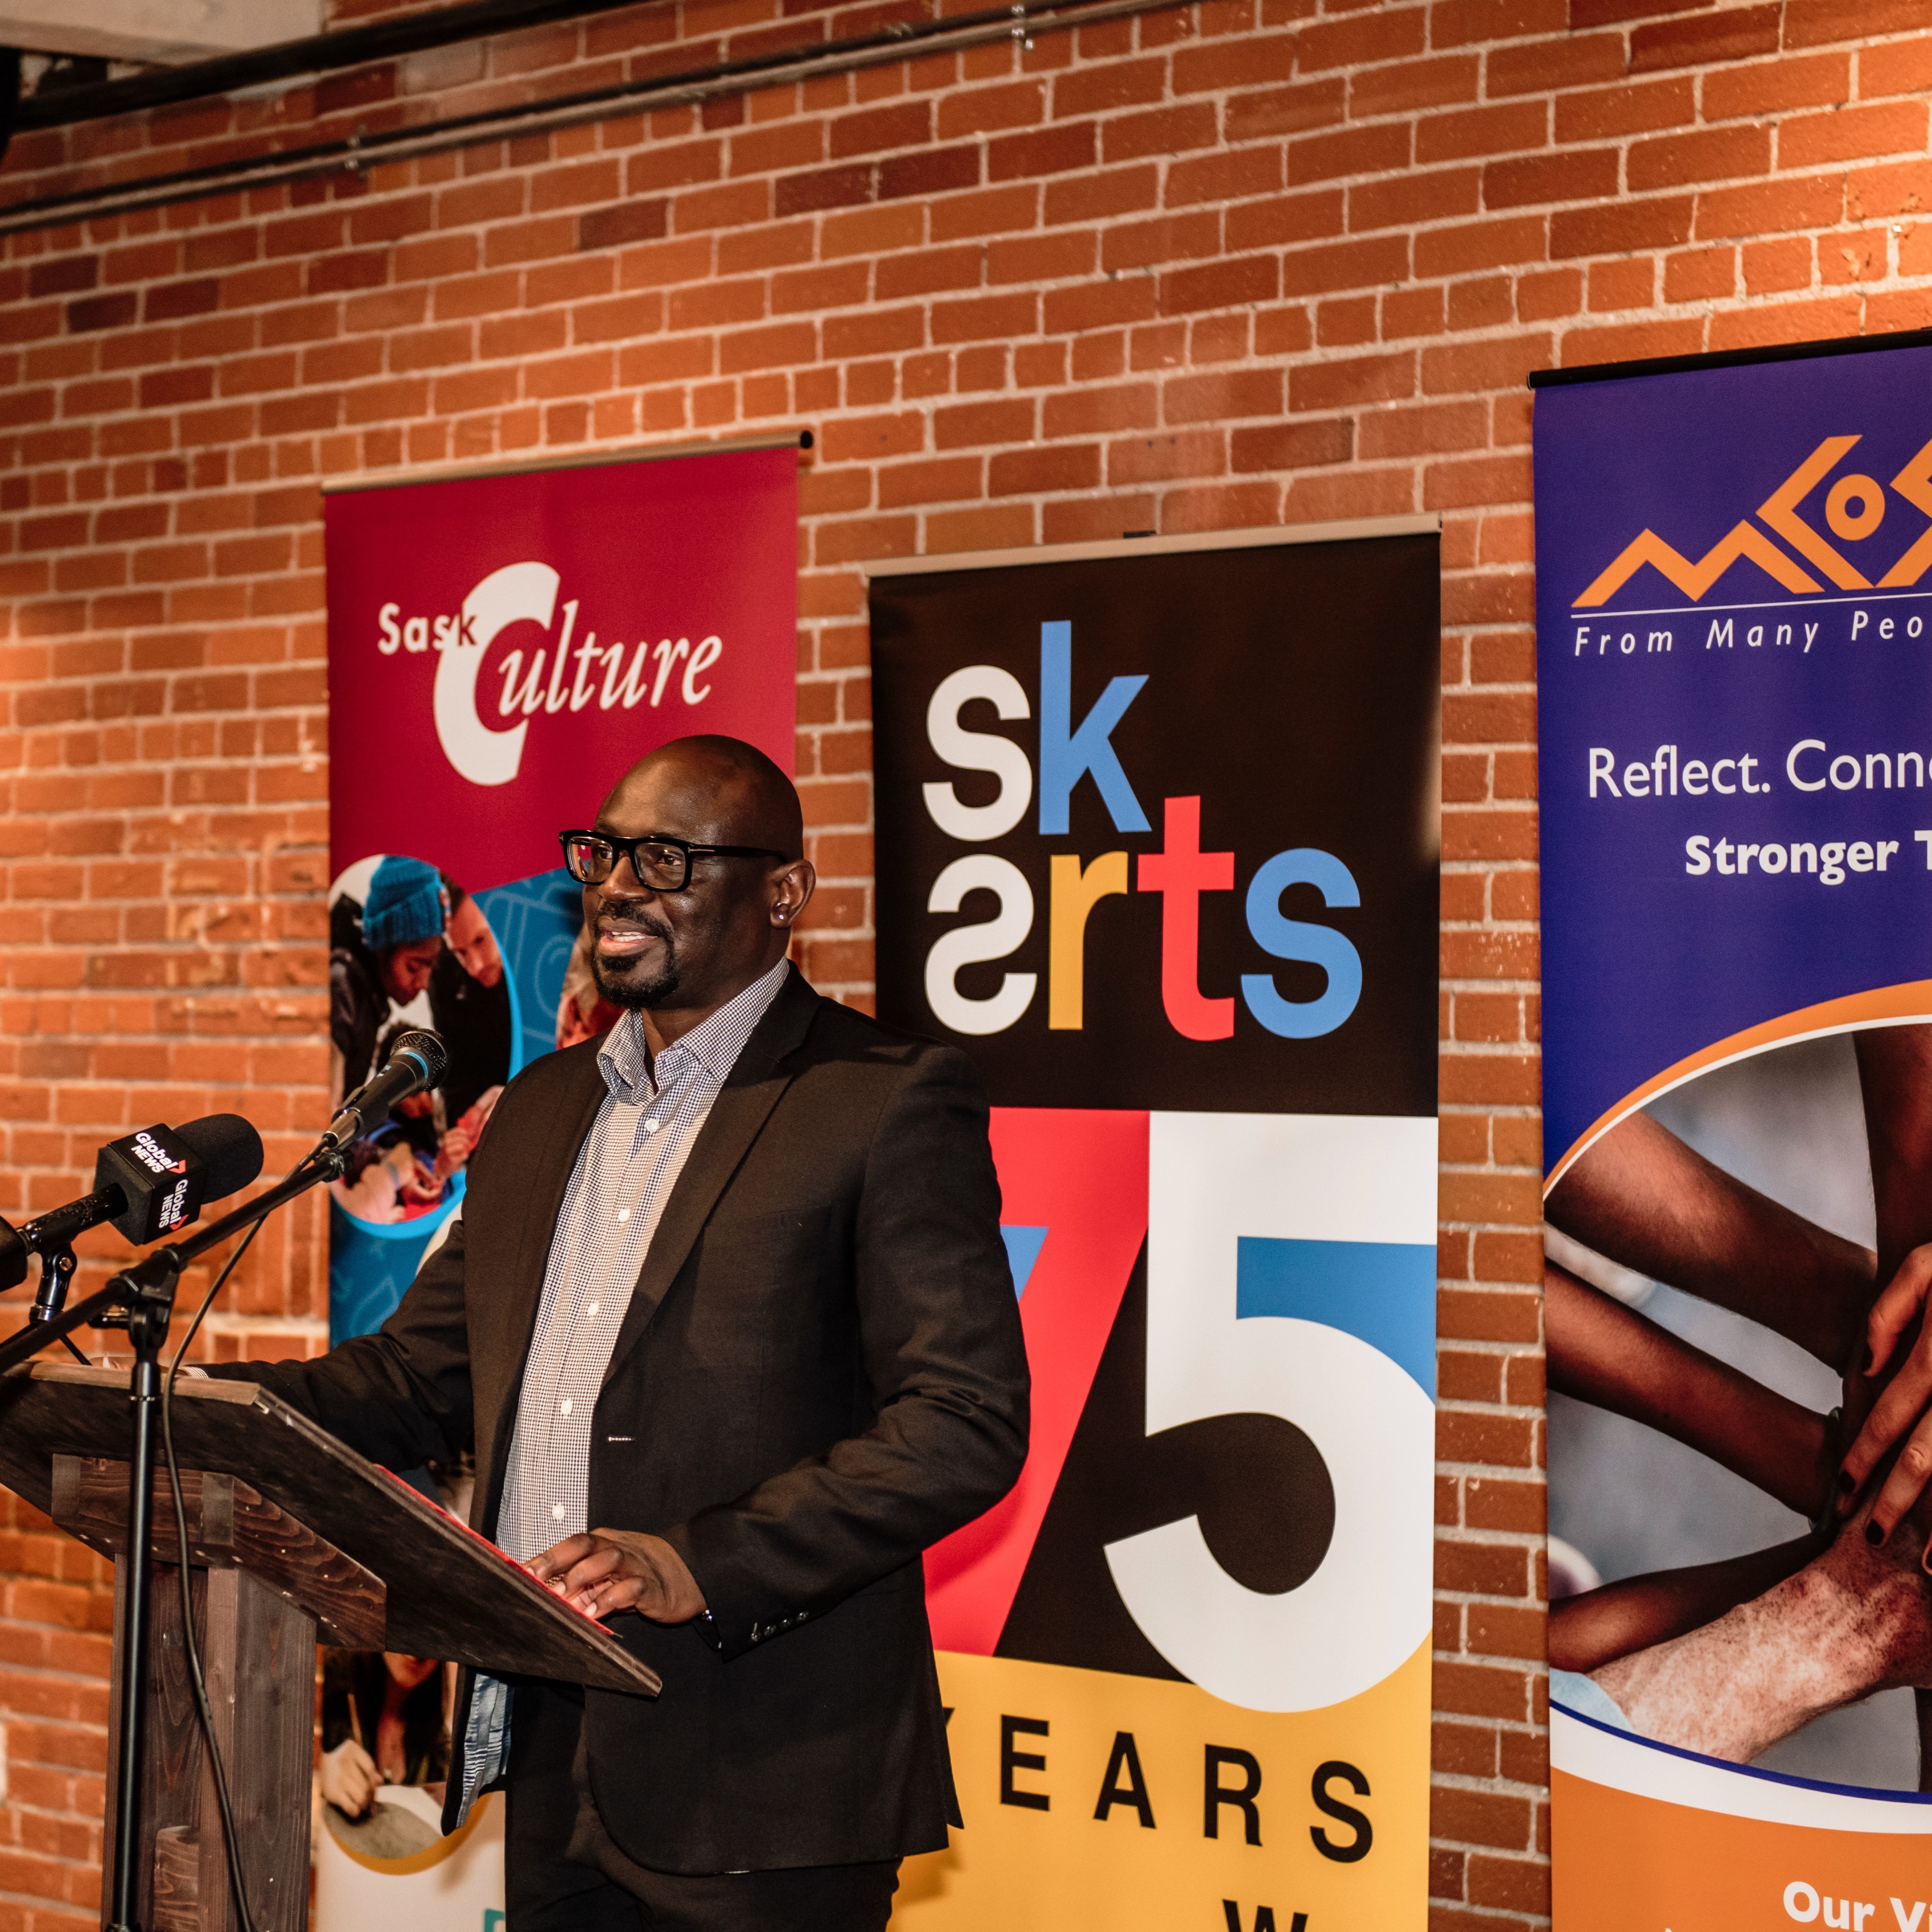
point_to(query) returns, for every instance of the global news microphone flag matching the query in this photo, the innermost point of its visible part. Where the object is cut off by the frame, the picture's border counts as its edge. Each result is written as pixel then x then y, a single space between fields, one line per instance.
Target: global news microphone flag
pixel 1734 586
pixel 1157 845
pixel 502 647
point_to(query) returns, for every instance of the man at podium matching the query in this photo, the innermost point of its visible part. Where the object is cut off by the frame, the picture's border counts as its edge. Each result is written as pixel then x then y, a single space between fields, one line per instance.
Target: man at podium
pixel 729 1320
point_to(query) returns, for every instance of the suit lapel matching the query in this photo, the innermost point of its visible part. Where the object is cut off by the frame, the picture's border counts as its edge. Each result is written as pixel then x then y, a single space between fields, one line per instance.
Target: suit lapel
pixel 743 1105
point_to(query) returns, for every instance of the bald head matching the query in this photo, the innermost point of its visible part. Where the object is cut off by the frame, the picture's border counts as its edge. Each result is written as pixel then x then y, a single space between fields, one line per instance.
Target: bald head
pixel 738 794
pixel 676 956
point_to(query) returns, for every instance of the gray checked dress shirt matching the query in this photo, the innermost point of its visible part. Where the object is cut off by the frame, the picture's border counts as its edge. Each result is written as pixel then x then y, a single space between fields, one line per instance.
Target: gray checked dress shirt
pixel 629 1163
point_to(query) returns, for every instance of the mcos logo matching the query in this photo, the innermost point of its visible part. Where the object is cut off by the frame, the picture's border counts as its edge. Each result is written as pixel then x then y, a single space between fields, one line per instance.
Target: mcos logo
pixel 1855 506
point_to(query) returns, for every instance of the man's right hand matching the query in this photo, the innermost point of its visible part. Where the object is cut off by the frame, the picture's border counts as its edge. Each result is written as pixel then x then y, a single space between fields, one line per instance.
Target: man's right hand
pixel 607 1571
pixel 349 1779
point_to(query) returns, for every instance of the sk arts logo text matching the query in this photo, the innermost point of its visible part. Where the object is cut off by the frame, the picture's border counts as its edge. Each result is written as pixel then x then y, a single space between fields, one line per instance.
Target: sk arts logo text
pixel 1179 872
pixel 1806 559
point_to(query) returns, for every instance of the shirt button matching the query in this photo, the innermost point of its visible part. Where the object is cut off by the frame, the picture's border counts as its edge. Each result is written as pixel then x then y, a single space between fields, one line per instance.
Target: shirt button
pixel 564 1407
pixel 623 1213
pixel 556 1511
pixel 593 1308
pixel 650 1126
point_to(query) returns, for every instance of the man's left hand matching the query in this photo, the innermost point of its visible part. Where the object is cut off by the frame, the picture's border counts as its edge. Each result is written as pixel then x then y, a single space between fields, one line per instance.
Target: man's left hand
pixel 606 1570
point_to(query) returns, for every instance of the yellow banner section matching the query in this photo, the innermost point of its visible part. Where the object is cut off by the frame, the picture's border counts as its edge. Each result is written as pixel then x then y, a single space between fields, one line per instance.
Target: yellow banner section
pixel 1145 1805
pixel 1623 1860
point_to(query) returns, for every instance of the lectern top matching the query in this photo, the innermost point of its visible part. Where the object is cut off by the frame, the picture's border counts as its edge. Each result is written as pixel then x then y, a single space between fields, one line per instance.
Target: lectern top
pixel 450 1592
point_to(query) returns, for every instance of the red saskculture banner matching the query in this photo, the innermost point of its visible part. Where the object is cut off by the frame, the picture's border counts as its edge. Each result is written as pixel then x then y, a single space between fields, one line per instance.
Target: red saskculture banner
pixel 502 647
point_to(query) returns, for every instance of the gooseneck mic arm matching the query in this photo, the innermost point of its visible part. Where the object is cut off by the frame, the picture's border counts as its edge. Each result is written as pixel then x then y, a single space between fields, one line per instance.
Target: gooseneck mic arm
pixel 157 1273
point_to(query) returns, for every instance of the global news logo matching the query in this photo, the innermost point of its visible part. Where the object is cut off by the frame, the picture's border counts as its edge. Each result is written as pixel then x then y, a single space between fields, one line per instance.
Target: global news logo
pixel 154 1157
pixel 1790 547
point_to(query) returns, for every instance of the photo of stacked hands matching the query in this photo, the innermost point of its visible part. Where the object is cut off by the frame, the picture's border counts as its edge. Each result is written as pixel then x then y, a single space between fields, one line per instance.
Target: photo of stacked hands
pixel 1726 1658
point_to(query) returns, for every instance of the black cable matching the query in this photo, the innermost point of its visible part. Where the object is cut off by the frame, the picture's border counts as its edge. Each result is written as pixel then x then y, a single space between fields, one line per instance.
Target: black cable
pixel 10 95
pixel 191 1648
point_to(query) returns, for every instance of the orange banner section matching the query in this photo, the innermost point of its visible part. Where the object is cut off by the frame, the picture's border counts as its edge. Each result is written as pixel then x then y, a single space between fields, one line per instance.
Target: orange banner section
pixel 1089 1797
pixel 1885 1006
pixel 1622 1861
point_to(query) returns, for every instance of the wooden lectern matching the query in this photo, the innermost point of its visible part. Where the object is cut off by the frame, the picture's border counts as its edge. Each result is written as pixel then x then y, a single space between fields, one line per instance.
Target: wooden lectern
pixel 293 1537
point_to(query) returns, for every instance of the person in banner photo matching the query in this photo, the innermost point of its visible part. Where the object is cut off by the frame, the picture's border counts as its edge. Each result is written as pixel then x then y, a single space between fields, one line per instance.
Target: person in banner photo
pixel 381 954
pixel 415 949
pixel 583 1012
pixel 728 1315
pixel 469 1004
pixel 384 1714
pixel 382 1779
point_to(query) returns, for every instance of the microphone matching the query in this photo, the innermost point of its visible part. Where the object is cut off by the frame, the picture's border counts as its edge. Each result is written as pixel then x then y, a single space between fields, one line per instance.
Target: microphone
pixel 147 1184
pixel 415 1061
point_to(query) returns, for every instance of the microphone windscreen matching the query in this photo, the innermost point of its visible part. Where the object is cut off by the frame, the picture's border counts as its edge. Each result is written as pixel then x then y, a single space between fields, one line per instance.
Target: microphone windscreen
pixel 426 1047
pixel 229 1149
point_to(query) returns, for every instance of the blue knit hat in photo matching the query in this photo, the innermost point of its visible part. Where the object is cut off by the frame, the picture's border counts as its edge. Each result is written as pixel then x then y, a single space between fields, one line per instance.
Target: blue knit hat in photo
pixel 404 905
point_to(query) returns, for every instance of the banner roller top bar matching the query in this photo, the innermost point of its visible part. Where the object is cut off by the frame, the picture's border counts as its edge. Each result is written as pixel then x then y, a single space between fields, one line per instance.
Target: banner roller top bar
pixel 1347 531
pixel 1727 358
pixel 457 472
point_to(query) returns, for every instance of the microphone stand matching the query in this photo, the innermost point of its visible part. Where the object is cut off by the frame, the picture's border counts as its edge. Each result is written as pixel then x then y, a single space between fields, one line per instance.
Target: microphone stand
pixel 142 1299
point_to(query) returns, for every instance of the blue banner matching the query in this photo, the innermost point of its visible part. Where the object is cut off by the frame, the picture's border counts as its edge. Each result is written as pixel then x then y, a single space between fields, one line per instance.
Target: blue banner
pixel 1734 582
pixel 1734 590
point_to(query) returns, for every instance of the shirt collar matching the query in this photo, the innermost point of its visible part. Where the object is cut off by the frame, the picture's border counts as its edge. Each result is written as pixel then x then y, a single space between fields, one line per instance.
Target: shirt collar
pixel 715 1044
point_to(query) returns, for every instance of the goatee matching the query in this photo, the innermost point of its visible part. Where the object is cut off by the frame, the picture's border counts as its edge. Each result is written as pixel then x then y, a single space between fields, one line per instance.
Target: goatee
pixel 631 990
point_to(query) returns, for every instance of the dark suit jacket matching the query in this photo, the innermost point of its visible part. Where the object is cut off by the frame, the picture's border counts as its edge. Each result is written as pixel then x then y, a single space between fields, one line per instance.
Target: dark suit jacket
pixel 821 1374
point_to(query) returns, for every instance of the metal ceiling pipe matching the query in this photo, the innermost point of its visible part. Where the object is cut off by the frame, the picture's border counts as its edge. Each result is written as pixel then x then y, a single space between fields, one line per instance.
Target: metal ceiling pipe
pixel 276 167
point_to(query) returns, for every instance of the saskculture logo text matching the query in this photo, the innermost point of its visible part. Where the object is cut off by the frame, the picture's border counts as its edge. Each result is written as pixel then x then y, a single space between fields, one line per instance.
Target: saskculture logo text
pixel 611 676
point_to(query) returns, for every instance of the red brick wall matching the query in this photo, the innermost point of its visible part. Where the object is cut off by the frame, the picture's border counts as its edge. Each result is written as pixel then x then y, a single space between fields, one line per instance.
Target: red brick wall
pixel 1236 262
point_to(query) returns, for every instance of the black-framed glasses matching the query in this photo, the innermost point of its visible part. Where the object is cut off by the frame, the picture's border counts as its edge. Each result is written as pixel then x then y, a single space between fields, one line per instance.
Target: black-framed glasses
pixel 662 864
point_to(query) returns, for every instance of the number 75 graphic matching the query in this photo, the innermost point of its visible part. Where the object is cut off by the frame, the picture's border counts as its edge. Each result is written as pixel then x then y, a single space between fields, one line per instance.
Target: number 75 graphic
pixel 1291 1274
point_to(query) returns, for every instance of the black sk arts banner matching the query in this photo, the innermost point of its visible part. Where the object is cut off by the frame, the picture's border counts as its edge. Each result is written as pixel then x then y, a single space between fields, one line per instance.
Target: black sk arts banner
pixel 1157 845
pixel 1734 574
